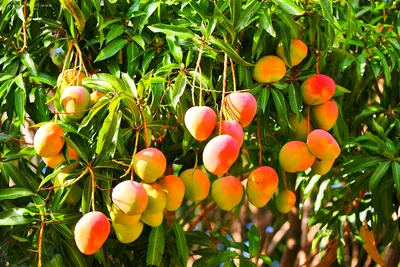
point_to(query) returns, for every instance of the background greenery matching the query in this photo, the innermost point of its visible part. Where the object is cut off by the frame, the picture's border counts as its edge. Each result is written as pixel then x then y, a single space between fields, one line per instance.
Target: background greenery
pixel 143 55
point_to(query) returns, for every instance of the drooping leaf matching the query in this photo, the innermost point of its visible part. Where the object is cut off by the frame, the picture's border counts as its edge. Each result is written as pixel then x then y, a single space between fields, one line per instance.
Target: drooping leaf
pixel 378 174
pixel 183 250
pixel 254 241
pixel 76 12
pixel 156 246
pixel 111 49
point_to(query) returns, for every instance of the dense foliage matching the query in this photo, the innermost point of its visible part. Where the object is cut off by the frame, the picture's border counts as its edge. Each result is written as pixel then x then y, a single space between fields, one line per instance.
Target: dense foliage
pixel 155 59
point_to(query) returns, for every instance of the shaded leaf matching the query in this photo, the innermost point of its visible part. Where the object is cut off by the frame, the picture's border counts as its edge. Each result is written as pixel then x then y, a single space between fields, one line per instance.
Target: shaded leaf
pixel 111 49
pixel 156 246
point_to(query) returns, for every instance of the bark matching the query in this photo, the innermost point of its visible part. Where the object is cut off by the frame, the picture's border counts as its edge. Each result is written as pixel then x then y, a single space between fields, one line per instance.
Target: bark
pixel 392 256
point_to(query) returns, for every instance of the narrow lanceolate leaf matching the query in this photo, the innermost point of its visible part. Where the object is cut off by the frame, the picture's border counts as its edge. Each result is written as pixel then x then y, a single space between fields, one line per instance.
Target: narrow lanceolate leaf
pixel 111 49
pixel 28 62
pixel 266 21
pixel 396 175
pixel 178 89
pixel 326 8
pixel 294 98
pixel 155 250
pixel 14 192
pixel 280 105
pixel 75 11
pixel 181 32
pixel 264 99
pixel 115 31
pixel 20 178
pixel 290 7
pixel 236 10
pixel 75 255
pixel 229 51
pixel 19 101
pixel 16 216
pixel 378 174
pixel 183 250
pixel 386 70
pixel 254 241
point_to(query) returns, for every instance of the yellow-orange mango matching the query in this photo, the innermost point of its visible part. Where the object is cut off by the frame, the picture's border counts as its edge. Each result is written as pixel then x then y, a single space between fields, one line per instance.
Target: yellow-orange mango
pixel 220 153
pixel 227 192
pixel 285 201
pixel 240 107
pixel 74 194
pixel 174 189
pixel 59 159
pixel 152 219
pixel 197 184
pixel 70 77
pixel 317 89
pixel 299 131
pixel 323 145
pixel 295 156
pixel 261 185
pixel 149 164
pixel 232 128
pixel 94 97
pixel 200 122
pixel 324 116
pixel 322 167
pixel 130 197
pixel 269 69
pixel 298 51
pixel 119 217
pixel 48 140
pixel 75 100
pixel 91 232
pixel 128 233
pixel 157 198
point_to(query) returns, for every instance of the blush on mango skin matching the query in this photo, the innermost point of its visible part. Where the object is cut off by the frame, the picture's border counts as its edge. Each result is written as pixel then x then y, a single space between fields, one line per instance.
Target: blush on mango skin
pixel 48 140
pixel 149 164
pixel 323 145
pixel 227 192
pixel 130 197
pixel 295 156
pixel 269 69
pixel 241 107
pixel 200 122
pixel 261 185
pixel 317 89
pixel 197 184
pixel 324 116
pixel 285 201
pixel 298 51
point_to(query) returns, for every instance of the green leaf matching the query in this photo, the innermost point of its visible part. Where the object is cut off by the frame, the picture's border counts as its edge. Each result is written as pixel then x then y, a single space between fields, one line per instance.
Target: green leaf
pixel 183 250
pixel 28 62
pixel 266 21
pixel 280 105
pixel 236 10
pixel 75 11
pixel 19 101
pixel 265 92
pixel 290 7
pixel 111 49
pixel 115 31
pixel 178 89
pixel 14 192
pixel 155 250
pixel 295 99
pixel 74 254
pixel 180 32
pixel 174 48
pixel 326 8
pixel 385 66
pixel 148 11
pixel 248 15
pixel 254 241
pixel 229 51
pixel 45 78
pixel 57 261
pixel 378 174
pixel 20 177
pixel 396 175
pixel 16 216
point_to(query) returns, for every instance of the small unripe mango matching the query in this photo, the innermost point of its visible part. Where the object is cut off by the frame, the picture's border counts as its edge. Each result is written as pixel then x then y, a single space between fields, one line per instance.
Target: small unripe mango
pixel 200 122
pixel 75 101
pixel 149 164
pixel 323 145
pixel 220 153
pixel 152 219
pixel 74 194
pixel 70 77
pixel 91 232
pixel 197 184
pixel 295 156
pixel 48 140
pixel 232 128
pixel 298 51
pixel 317 89
pixel 130 197
pixel 59 159
pixel 157 198
pixel 324 116
pixel 174 189
pixel 119 217
pixel 285 201
pixel 261 185
pixel 240 107
pixel 269 69
pixel 94 97
pixel 227 192
pixel 128 233
pixel 299 131
pixel 322 167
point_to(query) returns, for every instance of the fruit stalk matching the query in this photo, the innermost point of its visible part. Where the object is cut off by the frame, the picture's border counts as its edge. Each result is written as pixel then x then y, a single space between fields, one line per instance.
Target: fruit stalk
pixel 223 92
pixel 93 187
pixel 259 142
pixel 195 74
pixel 40 245
pixel 233 75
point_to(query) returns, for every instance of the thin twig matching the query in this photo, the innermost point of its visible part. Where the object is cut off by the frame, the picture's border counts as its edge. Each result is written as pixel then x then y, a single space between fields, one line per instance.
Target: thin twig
pixel 223 92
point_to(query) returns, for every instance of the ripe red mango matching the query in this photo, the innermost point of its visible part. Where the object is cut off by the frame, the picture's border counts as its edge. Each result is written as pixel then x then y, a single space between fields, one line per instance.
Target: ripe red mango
pixel 298 51
pixel 323 145
pixel 227 192
pixel 324 116
pixel 75 101
pixel 174 189
pixel 149 164
pixel 91 232
pixel 317 89
pixel 261 185
pixel 197 184
pixel 241 107
pixel 295 156
pixel 48 140
pixel 232 128
pixel 269 69
pixel 130 197
pixel 220 153
pixel 200 122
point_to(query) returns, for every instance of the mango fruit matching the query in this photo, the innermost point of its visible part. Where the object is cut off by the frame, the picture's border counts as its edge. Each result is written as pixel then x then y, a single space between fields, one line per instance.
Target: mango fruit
pixel 119 217
pixel 197 184
pixel 74 194
pixel 299 131
pixel 91 231
pixel 156 196
pixel 227 192
pixel 174 190
pixel 323 145
pixel 269 69
pixel 295 156
pixel 324 115
pixel 200 122
pixel 149 164
pixel 220 153
pixel 128 233
pixel 152 219
pixel 71 77
pixel 75 100
pixel 232 128
pixel 298 51
pixel 48 140
pixel 317 89
pixel 285 201
pixel 241 107
pixel 95 97
pixel 130 197
pixel 59 159
pixel 261 185
pixel 322 167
